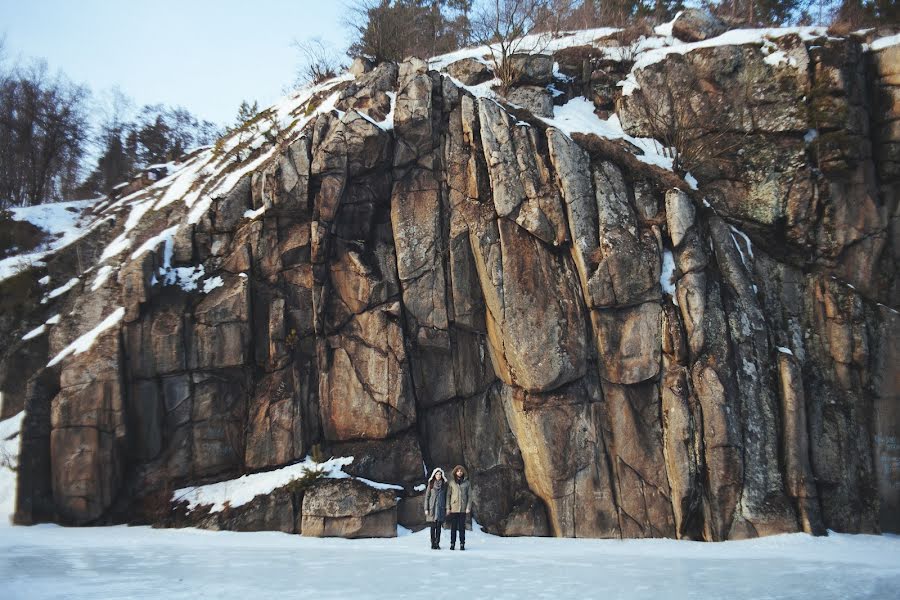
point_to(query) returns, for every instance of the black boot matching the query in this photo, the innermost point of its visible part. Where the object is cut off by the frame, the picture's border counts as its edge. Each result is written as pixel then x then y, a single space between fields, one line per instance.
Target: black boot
pixel 462 547
pixel 452 546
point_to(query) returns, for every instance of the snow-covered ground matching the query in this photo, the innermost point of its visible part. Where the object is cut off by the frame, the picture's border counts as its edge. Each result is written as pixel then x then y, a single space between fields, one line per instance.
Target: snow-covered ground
pixel 48 561
pixel 120 562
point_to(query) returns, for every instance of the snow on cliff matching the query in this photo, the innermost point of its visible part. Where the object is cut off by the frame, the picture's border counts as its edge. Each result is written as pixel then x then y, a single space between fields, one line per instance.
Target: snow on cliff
pixel 9 458
pixel 240 491
pixel 61 221
pixel 213 171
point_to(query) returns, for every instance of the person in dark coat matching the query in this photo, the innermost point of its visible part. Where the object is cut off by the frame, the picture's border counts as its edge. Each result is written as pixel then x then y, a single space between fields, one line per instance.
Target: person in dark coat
pixel 436 505
pixel 459 505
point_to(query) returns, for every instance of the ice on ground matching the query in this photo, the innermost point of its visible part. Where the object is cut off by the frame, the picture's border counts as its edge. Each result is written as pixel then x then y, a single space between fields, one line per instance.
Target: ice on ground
pixel 87 340
pixel 48 561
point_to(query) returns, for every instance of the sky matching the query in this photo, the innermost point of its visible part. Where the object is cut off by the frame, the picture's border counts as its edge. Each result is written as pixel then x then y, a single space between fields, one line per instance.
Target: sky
pixel 204 55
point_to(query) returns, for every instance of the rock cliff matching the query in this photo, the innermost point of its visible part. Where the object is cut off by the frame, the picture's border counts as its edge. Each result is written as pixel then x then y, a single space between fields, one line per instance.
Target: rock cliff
pixel 401 267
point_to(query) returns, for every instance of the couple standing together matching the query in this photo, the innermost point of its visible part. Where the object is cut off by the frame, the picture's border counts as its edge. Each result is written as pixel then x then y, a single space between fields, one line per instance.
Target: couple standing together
pixel 448 500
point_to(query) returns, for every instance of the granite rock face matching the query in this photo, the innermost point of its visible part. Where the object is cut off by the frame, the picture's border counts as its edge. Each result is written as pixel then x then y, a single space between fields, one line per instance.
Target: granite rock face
pixel 413 275
pixel 349 509
pixel 694 25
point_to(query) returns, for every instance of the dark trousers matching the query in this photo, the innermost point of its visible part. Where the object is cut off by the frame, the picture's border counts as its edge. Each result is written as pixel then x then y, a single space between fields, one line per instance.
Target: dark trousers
pixel 436 532
pixel 457 522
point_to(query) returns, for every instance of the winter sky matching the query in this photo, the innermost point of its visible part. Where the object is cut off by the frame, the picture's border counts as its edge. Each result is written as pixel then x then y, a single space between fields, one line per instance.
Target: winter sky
pixel 205 55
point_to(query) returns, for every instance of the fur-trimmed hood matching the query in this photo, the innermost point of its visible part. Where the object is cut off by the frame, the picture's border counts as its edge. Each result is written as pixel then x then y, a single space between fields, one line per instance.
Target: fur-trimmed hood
pixel 454 469
pixel 435 471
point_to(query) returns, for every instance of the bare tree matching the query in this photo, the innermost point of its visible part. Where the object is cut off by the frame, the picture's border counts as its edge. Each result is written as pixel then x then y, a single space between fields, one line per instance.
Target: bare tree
pixel 504 26
pixel 693 126
pixel 319 61
pixel 43 133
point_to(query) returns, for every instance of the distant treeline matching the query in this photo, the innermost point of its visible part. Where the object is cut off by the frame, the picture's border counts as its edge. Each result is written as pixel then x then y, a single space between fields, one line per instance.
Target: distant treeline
pixel 59 142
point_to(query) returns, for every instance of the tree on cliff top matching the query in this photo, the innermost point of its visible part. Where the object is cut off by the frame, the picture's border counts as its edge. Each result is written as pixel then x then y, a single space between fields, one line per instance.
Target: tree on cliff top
pixel 43 132
pixel 396 29
pixel 560 15
pixel 503 26
pixel 318 61
pixel 158 134
pixel 856 14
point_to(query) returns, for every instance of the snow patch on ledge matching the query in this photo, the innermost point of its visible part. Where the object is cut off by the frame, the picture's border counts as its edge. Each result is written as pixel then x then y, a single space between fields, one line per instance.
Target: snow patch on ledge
pixel 784 350
pixel 578 116
pixel 666 28
pixel 734 37
pixel 212 283
pixel 379 485
pixel 252 214
pixel 87 340
pixel 885 42
pixel 103 274
pixel 35 332
pixel 60 290
pixel 151 244
pixel 240 491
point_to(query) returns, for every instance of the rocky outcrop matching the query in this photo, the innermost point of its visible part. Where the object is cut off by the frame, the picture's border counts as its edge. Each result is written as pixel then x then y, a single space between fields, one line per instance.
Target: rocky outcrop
pixel 350 509
pixel 694 25
pixel 470 71
pixel 416 277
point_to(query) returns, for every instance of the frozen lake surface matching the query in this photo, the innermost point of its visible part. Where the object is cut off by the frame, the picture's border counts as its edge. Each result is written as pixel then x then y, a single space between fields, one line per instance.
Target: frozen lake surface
pixel 48 561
